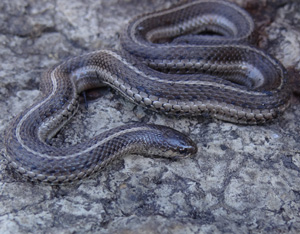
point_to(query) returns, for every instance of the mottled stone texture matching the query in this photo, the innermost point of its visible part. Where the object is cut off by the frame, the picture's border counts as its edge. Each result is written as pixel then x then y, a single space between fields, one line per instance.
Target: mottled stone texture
pixel 244 179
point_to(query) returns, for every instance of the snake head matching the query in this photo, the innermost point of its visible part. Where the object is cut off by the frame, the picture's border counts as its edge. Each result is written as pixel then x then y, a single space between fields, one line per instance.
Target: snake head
pixel 171 143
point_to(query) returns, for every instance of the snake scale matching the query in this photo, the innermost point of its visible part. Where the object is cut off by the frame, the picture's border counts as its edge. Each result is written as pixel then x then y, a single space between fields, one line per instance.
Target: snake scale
pixel 194 58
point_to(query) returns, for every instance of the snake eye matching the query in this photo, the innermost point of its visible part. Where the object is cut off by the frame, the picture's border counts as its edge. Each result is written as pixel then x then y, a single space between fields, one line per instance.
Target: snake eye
pixel 182 150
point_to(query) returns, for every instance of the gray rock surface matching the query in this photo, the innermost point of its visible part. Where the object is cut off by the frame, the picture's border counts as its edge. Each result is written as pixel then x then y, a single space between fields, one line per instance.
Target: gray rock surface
pixel 244 179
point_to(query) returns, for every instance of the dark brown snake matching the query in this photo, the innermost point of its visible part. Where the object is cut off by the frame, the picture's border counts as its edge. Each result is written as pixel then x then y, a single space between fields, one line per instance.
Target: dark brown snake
pixel 191 59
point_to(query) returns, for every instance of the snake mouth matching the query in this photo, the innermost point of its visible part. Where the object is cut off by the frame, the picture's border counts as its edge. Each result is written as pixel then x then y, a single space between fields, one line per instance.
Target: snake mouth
pixel 187 151
pixel 176 144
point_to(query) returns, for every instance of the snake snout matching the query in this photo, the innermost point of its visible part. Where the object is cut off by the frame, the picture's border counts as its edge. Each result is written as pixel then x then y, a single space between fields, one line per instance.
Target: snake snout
pixel 183 145
pixel 177 144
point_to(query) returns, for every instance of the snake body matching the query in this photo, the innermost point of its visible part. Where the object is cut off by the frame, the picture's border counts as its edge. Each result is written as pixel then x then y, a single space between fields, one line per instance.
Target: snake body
pixel 191 59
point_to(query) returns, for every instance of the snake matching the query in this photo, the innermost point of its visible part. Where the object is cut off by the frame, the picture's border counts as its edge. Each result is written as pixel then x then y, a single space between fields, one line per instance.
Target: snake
pixel 194 58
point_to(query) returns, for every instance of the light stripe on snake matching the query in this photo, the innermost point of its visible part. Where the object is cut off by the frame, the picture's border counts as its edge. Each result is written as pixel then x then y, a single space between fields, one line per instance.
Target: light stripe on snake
pixel 191 59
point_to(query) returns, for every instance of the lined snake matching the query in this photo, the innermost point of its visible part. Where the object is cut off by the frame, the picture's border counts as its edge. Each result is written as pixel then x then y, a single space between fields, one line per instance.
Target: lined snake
pixel 192 59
